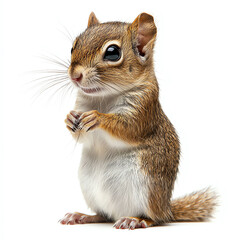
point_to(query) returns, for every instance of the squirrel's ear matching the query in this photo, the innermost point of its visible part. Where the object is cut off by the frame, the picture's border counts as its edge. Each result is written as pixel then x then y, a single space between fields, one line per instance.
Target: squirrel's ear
pixel 92 20
pixel 145 32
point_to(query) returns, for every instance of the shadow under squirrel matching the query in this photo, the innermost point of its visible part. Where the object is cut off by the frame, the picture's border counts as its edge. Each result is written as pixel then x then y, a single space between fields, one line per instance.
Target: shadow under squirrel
pixel 131 151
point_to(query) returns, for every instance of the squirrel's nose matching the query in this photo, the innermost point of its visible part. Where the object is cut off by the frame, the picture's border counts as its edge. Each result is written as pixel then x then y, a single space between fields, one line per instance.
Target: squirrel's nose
pixel 78 79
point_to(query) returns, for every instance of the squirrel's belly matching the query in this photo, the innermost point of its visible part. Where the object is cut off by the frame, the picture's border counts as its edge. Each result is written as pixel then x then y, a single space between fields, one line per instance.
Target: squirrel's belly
pixel 113 183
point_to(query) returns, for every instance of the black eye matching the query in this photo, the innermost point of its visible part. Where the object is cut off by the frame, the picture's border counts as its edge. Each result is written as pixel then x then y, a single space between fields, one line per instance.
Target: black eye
pixel 113 53
pixel 71 50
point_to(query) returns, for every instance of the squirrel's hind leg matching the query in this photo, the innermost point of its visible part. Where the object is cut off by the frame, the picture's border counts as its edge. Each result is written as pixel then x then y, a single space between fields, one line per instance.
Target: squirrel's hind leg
pixel 133 222
pixel 80 218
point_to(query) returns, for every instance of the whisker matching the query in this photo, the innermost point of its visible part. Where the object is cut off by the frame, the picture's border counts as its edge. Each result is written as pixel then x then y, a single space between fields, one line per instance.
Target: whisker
pixel 49 71
pixel 67 89
pixel 44 89
pixel 68 35
pixel 50 84
pixel 61 60
pixel 51 81
pixel 46 82
pixel 52 60
pixel 62 87
pixel 46 78
pixel 72 90
pixel 109 86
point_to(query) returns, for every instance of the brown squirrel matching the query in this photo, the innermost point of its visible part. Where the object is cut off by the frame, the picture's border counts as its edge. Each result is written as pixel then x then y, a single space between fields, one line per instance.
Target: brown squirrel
pixel 131 151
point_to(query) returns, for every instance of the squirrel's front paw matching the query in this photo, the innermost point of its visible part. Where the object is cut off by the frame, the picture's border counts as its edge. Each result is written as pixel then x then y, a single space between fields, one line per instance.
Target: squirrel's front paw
pixel 77 121
pixel 72 121
pixel 89 120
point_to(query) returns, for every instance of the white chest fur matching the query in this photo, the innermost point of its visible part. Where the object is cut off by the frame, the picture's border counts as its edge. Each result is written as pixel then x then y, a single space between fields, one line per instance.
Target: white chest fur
pixel 109 173
pixel 111 180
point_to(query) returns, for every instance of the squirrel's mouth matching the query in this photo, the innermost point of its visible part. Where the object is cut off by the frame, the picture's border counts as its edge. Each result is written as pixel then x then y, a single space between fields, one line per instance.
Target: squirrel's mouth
pixel 91 90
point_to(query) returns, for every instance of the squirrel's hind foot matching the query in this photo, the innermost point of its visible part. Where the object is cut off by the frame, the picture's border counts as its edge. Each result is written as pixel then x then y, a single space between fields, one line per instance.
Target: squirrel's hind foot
pixel 80 218
pixel 133 223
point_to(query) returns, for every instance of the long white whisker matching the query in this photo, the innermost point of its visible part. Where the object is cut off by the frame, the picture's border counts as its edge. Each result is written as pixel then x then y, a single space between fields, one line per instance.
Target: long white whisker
pixel 48 78
pixel 55 61
pixel 49 71
pixel 68 35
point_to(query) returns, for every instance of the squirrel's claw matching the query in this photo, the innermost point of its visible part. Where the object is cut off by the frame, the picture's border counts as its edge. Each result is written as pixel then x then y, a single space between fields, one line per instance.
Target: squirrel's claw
pixel 132 223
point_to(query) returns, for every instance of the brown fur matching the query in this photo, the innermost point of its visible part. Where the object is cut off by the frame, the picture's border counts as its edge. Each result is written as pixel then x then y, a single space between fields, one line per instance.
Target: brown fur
pixel 197 207
pixel 144 125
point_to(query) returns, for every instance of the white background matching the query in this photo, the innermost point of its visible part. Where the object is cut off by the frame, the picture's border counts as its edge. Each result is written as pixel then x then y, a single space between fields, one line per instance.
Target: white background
pixel 197 61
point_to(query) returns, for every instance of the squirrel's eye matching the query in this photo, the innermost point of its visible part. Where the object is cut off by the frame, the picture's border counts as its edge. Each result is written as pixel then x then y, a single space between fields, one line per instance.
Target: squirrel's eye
pixel 71 50
pixel 113 53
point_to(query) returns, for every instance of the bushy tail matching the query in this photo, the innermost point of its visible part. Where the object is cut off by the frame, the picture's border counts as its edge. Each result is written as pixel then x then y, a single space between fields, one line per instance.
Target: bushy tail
pixel 195 207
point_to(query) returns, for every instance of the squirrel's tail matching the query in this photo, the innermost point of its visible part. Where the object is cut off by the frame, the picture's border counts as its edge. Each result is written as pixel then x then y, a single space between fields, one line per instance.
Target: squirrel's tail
pixel 195 207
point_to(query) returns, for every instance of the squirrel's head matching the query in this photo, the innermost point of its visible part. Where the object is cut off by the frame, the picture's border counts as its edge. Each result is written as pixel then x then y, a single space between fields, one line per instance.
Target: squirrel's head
pixel 109 58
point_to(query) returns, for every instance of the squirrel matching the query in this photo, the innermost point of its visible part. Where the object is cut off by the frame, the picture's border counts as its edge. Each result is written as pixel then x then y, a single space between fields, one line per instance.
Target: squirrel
pixel 131 151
